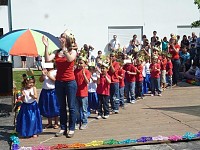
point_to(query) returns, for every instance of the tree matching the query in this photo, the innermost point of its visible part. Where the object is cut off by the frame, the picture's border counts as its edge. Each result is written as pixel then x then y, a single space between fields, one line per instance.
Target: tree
pixel 196 23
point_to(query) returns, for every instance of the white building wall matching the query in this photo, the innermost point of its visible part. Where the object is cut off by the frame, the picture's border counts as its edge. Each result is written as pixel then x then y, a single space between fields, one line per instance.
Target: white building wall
pixel 89 19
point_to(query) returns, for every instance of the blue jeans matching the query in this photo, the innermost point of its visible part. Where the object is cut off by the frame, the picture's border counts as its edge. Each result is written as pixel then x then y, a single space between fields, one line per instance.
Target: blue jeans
pixel 103 103
pixel 63 89
pixel 146 84
pixel 121 96
pixel 176 65
pixel 155 85
pixel 82 110
pixel 169 80
pixel 130 91
pixel 139 89
pixel 114 96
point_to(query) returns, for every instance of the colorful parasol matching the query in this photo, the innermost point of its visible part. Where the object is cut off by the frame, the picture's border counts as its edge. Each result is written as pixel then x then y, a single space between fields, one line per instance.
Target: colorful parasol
pixel 27 42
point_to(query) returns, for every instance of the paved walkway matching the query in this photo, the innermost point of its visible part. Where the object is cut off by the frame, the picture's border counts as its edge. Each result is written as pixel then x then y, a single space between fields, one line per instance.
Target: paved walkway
pixel 175 113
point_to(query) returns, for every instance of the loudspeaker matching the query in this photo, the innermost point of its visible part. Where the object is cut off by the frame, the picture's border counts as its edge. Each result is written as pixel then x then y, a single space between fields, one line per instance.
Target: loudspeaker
pixel 6 79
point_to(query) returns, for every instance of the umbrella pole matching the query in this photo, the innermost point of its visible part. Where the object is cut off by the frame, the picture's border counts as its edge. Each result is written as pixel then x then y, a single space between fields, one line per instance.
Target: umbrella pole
pixel 10 24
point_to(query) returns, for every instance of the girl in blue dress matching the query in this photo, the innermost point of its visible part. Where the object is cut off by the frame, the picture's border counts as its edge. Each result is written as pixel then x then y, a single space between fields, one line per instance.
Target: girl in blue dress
pixel 29 121
pixel 48 102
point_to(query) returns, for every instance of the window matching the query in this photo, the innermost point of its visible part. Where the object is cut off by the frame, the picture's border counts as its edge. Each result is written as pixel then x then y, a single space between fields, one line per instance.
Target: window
pixel 125 33
pixel 187 30
pixel 3 2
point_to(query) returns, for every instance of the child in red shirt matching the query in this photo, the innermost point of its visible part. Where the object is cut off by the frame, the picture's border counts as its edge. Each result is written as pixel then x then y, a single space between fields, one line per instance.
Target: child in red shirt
pixel 130 81
pixel 169 71
pixel 82 76
pixel 163 70
pixel 121 75
pixel 155 77
pixel 103 91
pixel 114 86
pixel 139 78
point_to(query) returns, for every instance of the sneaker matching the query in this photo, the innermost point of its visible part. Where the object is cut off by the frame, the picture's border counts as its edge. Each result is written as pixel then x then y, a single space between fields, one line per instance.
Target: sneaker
pixel 70 134
pixel 98 117
pixel 152 94
pixel 116 111
pixel 83 126
pixel 77 126
pixel 174 85
pixel 106 117
pixel 133 101
pixel 159 94
pixel 60 133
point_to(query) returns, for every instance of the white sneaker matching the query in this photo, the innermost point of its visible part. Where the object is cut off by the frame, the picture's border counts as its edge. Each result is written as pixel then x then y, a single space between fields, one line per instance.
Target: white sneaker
pixel 159 94
pixel 70 134
pixel 106 116
pixel 77 126
pixel 98 117
pixel 60 133
pixel 132 102
pixel 83 126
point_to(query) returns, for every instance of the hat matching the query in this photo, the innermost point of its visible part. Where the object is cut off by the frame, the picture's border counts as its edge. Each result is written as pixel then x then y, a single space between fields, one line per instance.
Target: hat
pixel 29 72
pixel 154 57
pixel 156 48
pixel 112 54
pixel 135 49
pixel 141 58
pixel 105 64
pixel 48 65
pixel 169 55
pixel 174 37
pixel 130 56
pixel 69 33
pixel 146 57
pixel 82 58
pixel 164 53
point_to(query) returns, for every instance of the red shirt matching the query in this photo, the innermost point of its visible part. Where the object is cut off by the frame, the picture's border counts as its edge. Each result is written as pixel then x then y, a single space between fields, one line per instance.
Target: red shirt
pixel 103 87
pixel 131 68
pixel 114 75
pixel 175 55
pixel 139 76
pixel 155 73
pixel 169 68
pixel 163 64
pixel 65 70
pixel 82 90
pixel 121 73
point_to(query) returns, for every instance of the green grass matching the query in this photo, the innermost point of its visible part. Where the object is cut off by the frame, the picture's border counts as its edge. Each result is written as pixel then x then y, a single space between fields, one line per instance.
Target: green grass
pixel 17 78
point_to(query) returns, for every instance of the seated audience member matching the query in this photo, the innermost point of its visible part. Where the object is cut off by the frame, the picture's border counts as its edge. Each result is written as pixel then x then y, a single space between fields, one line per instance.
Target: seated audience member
pixel 190 74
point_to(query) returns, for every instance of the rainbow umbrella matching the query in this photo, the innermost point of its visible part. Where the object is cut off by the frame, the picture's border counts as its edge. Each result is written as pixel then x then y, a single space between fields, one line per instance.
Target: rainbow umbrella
pixel 27 42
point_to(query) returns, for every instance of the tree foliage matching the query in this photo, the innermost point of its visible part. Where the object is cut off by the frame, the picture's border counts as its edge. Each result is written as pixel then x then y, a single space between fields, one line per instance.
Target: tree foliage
pixel 196 23
pixel 197 2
